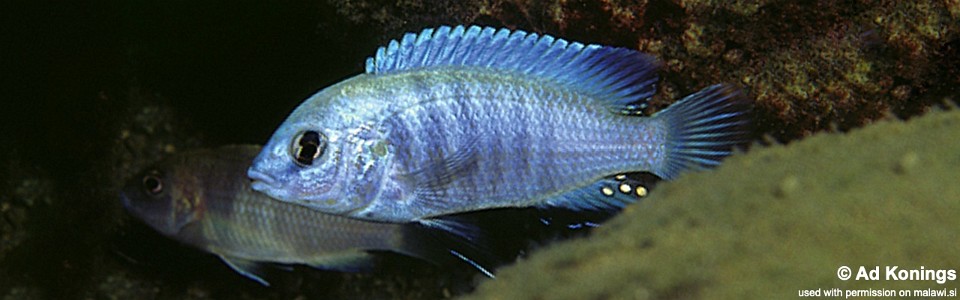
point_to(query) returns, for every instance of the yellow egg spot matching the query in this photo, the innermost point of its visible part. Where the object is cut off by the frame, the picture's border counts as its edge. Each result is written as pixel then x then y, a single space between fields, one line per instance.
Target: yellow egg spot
pixel 621 177
pixel 641 191
pixel 625 188
pixel 607 191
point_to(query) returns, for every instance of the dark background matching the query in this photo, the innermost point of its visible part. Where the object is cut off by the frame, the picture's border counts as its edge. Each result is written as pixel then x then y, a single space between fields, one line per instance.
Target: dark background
pixel 79 80
pixel 233 68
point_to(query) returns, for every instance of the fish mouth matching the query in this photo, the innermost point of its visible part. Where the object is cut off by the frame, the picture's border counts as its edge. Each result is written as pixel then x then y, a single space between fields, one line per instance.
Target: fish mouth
pixel 124 200
pixel 131 208
pixel 127 204
pixel 262 181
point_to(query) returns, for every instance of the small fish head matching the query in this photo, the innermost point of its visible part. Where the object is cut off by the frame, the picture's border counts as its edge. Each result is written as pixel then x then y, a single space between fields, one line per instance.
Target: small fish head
pixel 305 162
pixel 163 200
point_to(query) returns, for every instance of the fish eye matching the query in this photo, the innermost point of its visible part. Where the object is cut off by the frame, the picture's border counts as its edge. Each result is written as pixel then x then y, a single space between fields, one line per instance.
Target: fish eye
pixel 152 184
pixel 309 145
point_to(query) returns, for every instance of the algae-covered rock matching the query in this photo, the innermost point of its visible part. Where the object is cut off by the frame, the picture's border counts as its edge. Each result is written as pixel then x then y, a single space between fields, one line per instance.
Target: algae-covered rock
pixel 772 222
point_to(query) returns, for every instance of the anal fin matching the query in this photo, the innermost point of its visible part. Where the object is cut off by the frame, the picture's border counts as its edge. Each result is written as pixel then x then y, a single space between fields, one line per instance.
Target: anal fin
pixel 605 194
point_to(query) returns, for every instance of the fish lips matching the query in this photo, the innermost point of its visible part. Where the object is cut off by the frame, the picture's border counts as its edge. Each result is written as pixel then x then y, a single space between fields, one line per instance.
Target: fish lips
pixel 269 185
pixel 125 200
pixel 152 212
pixel 264 183
pixel 131 205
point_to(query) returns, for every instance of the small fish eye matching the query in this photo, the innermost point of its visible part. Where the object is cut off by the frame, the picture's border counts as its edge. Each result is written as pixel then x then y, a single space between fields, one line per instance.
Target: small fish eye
pixel 309 145
pixel 152 184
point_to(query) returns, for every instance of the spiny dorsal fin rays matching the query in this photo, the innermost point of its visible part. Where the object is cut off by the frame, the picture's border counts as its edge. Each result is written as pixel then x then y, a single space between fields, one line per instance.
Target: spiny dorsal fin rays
pixel 623 77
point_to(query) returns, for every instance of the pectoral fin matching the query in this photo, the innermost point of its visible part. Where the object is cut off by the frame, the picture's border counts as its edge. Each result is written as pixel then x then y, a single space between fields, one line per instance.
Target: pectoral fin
pixel 247 268
pixel 433 177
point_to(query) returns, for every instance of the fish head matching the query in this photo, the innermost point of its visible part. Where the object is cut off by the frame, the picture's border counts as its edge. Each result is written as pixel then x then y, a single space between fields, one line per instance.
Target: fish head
pixel 304 163
pixel 164 198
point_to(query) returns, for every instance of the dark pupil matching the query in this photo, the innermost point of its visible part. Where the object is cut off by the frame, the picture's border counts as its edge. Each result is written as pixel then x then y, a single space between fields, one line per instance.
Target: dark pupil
pixel 310 147
pixel 152 184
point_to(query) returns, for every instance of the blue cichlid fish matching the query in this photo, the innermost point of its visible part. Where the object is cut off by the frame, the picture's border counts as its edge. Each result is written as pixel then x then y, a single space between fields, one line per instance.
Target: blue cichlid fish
pixel 462 119
pixel 202 198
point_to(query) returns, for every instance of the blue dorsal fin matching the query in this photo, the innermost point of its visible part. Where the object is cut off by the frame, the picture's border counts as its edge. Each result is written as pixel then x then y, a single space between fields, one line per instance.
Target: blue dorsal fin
pixel 622 76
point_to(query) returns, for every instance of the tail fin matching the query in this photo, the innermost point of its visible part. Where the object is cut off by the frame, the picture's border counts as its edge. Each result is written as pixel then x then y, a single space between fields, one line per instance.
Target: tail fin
pixel 445 247
pixel 704 128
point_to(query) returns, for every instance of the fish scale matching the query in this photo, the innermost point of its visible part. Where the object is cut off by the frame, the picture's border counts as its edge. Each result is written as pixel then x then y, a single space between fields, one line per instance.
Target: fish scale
pixel 458 119
pixel 518 136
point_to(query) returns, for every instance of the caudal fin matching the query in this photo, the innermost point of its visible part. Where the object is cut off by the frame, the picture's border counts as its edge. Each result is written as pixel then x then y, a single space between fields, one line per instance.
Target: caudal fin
pixel 703 128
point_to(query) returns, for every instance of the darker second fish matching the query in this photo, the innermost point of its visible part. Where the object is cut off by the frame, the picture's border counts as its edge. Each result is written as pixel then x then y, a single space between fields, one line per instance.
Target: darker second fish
pixel 203 199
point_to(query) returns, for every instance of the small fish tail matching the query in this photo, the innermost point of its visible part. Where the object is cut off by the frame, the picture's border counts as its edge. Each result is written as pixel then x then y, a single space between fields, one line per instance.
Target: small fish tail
pixel 443 246
pixel 703 128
